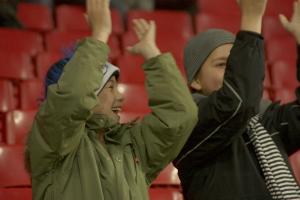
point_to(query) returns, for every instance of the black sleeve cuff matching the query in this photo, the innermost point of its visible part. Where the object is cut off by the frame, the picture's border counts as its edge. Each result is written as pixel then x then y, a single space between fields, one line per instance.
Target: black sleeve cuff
pixel 250 38
pixel 249 34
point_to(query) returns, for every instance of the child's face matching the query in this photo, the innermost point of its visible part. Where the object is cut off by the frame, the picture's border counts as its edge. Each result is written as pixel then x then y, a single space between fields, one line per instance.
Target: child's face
pixel 210 77
pixel 110 99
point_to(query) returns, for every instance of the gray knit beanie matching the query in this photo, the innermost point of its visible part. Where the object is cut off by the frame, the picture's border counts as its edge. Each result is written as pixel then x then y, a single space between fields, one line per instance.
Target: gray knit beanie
pixel 200 47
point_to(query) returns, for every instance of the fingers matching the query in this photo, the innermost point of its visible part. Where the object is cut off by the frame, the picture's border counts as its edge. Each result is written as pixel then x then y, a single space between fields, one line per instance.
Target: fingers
pixel 296 7
pixel 140 27
pixel 284 21
pixel 131 50
pixel 152 26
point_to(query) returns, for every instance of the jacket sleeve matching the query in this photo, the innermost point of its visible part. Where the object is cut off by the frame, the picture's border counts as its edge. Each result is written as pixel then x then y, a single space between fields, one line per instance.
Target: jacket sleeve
pixel 223 115
pixel 285 119
pixel 159 137
pixel 60 122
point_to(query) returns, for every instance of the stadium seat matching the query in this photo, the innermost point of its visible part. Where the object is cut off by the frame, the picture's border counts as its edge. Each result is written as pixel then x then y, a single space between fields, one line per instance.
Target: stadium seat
pixel 35 17
pixel 285 95
pixel 71 18
pixel 135 98
pixel 206 21
pixel 16 65
pixel 20 41
pixel 64 42
pixel 165 194
pixel 12 168
pixel 280 48
pixel 214 7
pixel 7 99
pixel 131 69
pixel 18 124
pixel 167 22
pixel 295 163
pixel 32 94
pixel 267 82
pixel 283 75
pixel 272 28
pixel 274 7
pixel 44 61
pixel 168 177
pixel 15 194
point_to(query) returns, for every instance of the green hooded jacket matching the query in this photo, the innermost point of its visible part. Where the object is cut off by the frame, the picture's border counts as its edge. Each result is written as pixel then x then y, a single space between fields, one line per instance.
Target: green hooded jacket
pixel 67 160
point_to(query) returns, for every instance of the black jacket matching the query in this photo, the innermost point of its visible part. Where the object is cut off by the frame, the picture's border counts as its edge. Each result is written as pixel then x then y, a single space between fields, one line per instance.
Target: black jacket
pixel 218 161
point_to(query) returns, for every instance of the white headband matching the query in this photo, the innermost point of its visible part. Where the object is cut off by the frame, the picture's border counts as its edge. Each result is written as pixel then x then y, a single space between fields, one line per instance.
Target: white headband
pixel 108 70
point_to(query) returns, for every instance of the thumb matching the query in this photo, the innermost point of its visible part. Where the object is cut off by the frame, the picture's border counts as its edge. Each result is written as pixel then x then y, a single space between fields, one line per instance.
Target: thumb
pixel 131 49
pixel 86 17
pixel 284 21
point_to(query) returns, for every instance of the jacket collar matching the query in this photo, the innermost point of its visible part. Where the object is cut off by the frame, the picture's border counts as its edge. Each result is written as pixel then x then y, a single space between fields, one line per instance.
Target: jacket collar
pixel 113 132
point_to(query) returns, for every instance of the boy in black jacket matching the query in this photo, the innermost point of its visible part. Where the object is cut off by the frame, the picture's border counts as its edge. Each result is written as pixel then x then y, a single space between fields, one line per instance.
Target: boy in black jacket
pixel 233 153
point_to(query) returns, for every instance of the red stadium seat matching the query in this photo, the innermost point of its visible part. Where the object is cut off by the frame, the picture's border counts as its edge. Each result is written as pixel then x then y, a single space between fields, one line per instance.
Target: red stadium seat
pixel 135 98
pixel 131 69
pixel 168 177
pixel 267 82
pixel 15 193
pixel 281 49
pixel 274 7
pixel 32 94
pixel 71 18
pixel 285 95
pixel 16 66
pixel 44 61
pixel 295 163
pixel 167 22
pixel 36 17
pixel 283 75
pixel 12 168
pixel 18 124
pixel 272 28
pixel 63 42
pixel 7 100
pixel 16 41
pixel 165 194
pixel 214 6
pixel 206 21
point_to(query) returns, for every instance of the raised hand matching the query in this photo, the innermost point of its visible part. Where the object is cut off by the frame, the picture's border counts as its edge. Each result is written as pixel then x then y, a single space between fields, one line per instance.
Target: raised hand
pixel 292 26
pixel 252 12
pixel 99 19
pixel 146 33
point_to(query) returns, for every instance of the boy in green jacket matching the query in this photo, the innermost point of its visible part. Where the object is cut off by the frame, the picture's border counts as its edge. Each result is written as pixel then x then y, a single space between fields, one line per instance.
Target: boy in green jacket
pixel 78 150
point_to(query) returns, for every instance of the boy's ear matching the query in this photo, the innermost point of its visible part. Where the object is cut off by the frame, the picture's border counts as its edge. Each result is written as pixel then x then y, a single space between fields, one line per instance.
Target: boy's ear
pixel 196 85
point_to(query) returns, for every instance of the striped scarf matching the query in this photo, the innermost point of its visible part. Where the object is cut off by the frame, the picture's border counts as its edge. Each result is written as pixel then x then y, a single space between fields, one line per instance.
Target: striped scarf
pixel 279 179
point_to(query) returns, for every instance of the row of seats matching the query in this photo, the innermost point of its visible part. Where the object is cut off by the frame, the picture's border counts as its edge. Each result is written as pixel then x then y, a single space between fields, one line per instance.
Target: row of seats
pixel 274 7
pixel 71 18
pixel 64 15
